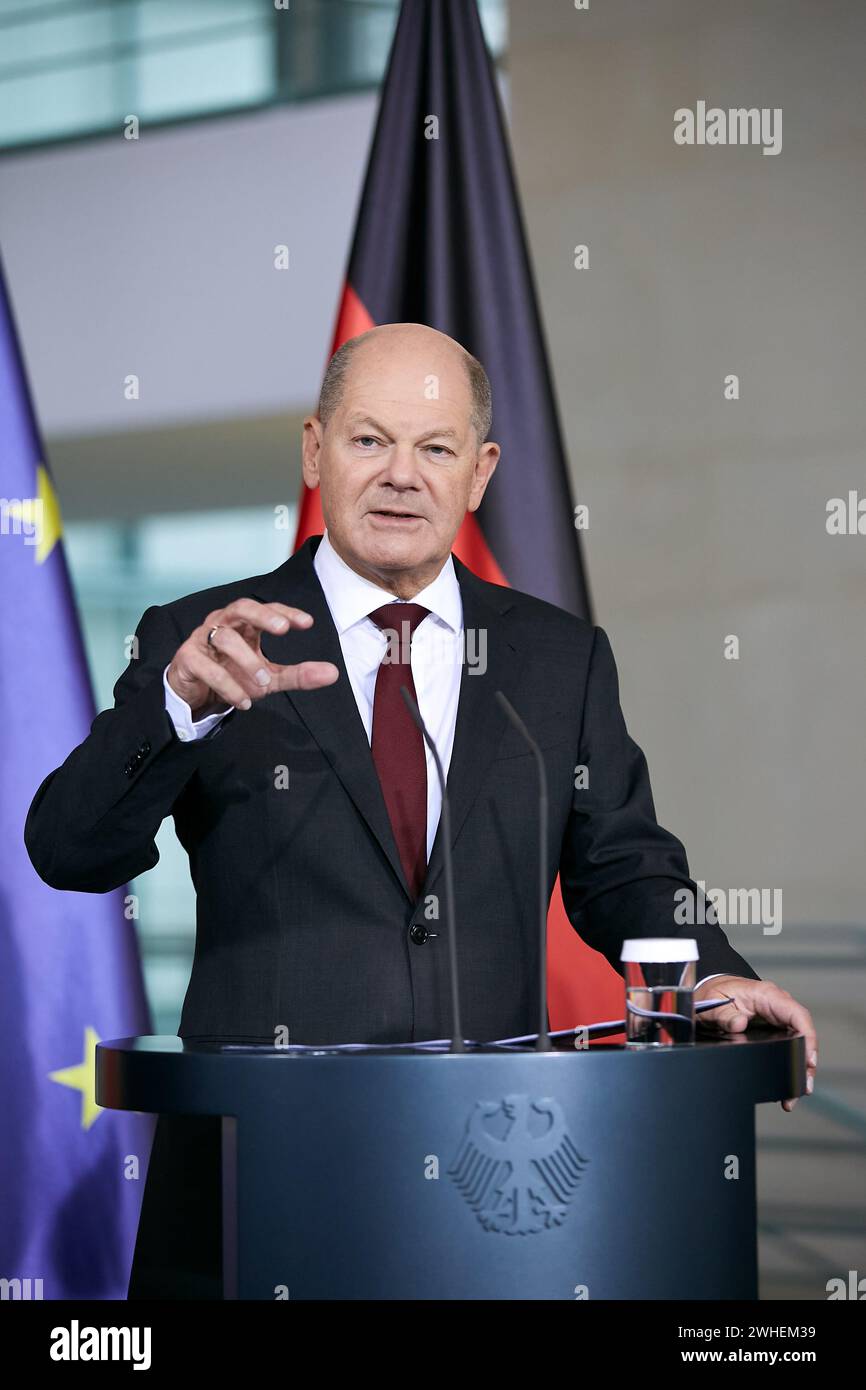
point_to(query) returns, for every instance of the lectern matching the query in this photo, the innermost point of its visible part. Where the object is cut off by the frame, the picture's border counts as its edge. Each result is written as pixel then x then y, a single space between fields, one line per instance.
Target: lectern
pixel 605 1173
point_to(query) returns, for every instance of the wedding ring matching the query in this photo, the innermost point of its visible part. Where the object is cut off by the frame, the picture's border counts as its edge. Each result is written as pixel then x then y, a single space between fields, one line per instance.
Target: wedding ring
pixel 210 636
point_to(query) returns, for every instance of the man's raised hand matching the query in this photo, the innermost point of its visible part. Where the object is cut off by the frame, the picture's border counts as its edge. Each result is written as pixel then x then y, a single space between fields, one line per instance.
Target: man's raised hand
pixel 230 670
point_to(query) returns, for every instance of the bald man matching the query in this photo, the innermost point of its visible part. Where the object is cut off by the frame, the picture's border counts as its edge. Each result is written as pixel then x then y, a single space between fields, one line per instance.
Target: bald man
pixel 265 716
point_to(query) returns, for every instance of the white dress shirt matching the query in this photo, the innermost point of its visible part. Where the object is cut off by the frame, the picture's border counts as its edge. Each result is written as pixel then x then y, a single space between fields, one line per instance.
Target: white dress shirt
pixel 436 657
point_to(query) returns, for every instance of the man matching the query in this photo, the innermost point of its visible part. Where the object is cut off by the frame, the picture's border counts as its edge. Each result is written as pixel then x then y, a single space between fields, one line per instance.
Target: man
pixel 265 716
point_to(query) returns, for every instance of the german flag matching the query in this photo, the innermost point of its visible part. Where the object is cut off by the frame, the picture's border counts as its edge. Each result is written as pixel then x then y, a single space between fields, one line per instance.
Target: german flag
pixel 439 239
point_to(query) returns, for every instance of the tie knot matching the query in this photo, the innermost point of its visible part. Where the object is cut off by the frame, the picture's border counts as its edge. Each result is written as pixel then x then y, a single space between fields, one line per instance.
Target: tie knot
pixel 398 621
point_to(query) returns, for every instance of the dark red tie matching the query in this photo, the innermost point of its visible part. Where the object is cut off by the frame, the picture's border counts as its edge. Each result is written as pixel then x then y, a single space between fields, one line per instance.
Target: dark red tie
pixel 397 743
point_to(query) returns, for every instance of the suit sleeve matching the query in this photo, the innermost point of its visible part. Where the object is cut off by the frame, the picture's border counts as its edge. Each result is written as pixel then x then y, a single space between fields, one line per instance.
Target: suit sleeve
pixel 622 874
pixel 92 824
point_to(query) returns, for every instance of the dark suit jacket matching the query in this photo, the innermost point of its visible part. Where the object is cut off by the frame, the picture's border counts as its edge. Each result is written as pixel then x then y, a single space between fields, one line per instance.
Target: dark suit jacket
pixel 304 919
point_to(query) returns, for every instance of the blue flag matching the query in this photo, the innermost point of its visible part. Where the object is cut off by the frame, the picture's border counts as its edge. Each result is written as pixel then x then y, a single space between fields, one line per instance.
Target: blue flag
pixel 71 1173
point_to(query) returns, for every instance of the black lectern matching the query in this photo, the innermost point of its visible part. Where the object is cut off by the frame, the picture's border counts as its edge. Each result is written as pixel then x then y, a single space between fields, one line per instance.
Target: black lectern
pixel 603 1173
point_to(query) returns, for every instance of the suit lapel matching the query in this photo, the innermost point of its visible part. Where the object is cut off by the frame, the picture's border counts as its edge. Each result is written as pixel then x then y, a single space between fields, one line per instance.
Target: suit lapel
pixel 480 721
pixel 330 714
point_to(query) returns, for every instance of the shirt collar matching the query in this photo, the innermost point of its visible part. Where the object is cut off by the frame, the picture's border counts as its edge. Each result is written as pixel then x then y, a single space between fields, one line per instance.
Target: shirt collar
pixel 351 598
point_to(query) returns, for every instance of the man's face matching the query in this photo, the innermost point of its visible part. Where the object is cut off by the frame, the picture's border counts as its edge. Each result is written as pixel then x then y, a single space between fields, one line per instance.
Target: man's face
pixel 399 471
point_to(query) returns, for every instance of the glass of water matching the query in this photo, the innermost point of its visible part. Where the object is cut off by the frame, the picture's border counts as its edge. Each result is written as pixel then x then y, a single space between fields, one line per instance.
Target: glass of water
pixel 659 990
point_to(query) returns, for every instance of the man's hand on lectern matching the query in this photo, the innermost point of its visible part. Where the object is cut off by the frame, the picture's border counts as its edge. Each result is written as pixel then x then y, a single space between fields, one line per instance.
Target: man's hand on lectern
pixel 221 665
pixel 759 999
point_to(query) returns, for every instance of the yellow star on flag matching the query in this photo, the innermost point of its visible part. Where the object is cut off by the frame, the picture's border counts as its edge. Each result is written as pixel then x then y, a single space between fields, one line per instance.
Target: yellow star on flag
pixel 83 1078
pixel 41 513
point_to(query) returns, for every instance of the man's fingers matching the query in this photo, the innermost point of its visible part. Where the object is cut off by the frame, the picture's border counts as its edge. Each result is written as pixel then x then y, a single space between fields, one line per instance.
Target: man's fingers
pixel 307 675
pixel 781 1007
pixel 770 1002
pixel 778 1006
pixel 245 663
pixel 796 1016
pixel 229 641
pixel 264 617
pixel 730 1017
pixel 199 666
pixel 241 674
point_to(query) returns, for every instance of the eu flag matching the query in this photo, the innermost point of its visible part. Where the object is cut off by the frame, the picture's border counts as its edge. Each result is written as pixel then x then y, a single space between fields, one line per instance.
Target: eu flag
pixel 71 1174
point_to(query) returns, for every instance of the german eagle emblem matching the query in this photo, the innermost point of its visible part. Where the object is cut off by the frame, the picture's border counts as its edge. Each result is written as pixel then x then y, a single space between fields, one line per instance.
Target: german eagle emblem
pixel 517 1166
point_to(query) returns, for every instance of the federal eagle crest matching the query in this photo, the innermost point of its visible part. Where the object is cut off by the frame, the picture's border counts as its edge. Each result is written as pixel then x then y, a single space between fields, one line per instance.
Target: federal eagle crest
pixel 519 1179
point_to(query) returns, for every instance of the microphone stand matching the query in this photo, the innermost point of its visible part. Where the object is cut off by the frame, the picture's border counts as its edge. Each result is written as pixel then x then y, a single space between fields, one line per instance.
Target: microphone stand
pixel 457 1043
pixel 543 1043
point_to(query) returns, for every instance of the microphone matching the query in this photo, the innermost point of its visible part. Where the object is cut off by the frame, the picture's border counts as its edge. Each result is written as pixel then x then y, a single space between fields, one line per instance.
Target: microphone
pixel 543 1043
pixel 457 1043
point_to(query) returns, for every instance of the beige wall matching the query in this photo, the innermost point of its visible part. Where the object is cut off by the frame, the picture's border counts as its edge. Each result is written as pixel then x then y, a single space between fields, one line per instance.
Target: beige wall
pixel 707 515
